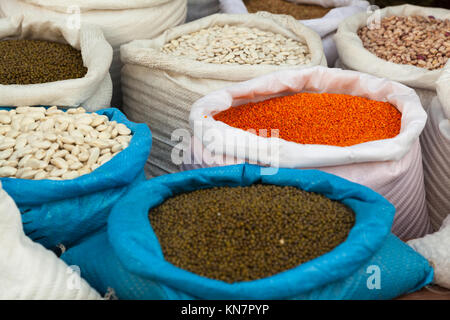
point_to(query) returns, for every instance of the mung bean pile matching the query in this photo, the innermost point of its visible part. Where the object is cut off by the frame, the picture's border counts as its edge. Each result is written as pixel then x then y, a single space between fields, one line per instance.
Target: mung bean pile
pixel 415 40
pixel 38 61
pixel 38 143
pixel 298 11
pixel 239 45
pixel 248 233
pixel 317 118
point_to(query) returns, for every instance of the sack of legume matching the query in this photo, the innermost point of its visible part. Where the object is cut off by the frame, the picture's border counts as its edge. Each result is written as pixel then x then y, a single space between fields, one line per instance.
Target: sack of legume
pixel 47 63
pixel 121 21
pixel 200 234
pixel 323 16
pixel 65 170
pixel 407 43
pixel 28 270
pixel 434 247
pixel 197 9
pixel 357 126
pixel 435 142
pixel 164 76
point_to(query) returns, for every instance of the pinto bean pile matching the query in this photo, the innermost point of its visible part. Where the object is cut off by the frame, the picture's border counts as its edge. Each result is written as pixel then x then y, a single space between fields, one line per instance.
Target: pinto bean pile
pixel 415 40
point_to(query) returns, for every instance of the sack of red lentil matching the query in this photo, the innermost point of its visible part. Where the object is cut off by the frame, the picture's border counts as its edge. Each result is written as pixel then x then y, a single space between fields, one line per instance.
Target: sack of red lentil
pixel 61 199
pixel 435 142
pixel 323 16
pixel 78 68
pixel 162 77
pixel 121 21
pixel 28 270
pixel 343 137
pixel 134 256
pixel 407 43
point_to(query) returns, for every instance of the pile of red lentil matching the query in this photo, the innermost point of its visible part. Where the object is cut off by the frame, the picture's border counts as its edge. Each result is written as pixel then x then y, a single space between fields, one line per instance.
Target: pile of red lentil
pixel 318 118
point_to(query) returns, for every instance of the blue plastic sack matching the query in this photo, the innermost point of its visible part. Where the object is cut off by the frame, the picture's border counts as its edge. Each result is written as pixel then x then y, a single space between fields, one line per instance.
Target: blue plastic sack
pixel 55 212
pixel 128 258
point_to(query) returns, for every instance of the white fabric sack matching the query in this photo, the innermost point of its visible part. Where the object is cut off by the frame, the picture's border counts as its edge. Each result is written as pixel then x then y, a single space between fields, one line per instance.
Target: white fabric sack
pixel 28 270
pixel 392 167
pixel 354 56
pixel 159 89
pixel 435 248
pixel 93 91
pixel 197 9
pixel 435 141
pixel 435 146
pixel 325 26
pixel 121 21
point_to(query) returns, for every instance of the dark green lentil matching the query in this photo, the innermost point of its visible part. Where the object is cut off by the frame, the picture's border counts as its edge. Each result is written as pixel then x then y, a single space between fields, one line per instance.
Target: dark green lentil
pixel 38 61
pixel 248 233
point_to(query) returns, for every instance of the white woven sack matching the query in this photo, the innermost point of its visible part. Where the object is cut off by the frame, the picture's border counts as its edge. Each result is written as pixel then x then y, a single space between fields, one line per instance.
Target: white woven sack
pixel 197 9
pixel 392 167
pixel 353 54
pixel 435 248
pixel 28 270
pixel 159 89
pixel 121 21
pixel 93 91
pixel 435 141
pixel 435 146
pixel 325 26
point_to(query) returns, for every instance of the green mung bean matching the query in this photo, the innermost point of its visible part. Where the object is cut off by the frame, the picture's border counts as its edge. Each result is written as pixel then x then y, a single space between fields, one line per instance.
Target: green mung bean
pixel 247 233
pixel 38 61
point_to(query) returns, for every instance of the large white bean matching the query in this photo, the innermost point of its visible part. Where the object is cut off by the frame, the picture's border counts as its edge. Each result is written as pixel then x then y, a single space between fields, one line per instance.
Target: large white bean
pixel 39 143
pixel 6 171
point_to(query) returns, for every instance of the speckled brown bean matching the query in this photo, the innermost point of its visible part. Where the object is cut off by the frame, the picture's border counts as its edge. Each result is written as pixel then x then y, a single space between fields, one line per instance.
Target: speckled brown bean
pixel 414 40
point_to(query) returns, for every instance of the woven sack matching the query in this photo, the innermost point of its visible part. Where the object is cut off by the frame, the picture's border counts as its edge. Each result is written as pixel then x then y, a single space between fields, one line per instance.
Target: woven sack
pixel 326 26
pixel 159 89
pixel 121 21
pixel 128 258
pixel 435 141
pixel 65 211
pixel 352 54
pixel 93 91
pixel 434 247
pixel 392 167
pixel 28 270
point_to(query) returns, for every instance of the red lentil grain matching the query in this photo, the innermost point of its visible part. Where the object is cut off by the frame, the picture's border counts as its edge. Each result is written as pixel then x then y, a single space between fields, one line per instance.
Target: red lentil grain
pixel 318 118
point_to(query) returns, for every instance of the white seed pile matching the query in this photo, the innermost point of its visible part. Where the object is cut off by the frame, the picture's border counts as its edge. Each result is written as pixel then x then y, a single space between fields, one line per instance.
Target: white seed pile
pixel 239 45
pixel 38 143
pixel 415 40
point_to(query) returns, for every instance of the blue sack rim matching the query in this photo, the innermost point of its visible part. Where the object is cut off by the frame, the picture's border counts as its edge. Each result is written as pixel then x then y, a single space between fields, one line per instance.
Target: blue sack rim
pixel 112 174
pixel 138 249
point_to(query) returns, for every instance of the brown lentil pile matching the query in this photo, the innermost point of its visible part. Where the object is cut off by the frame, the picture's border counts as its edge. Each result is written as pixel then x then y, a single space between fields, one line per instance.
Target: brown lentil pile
pixel 415 40
pixel 247 233
pixel 38 61
pixel 298 11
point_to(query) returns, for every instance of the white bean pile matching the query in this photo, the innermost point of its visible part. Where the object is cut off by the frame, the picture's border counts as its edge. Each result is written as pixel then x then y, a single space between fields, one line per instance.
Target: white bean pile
pixel 239 45
pixel 38 143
